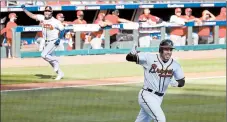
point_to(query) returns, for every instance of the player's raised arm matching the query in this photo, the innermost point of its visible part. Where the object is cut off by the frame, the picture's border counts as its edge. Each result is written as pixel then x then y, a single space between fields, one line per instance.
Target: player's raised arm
pixel 31 15
pixel 137 56
pixel 133 55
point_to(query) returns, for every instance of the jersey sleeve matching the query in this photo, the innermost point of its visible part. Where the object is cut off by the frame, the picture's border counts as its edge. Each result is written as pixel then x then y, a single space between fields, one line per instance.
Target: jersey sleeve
pixel 40 17
pixel 178 73
pixel 142 59
pixel 154 18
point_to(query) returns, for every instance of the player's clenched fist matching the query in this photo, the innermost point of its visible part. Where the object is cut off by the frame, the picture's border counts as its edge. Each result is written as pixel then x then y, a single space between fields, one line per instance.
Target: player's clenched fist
pixel 134 49
pixel 22 6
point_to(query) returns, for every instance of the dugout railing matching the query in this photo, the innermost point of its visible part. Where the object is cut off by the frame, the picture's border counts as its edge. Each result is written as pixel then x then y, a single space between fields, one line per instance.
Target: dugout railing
pixel 135 27
pixel 7 3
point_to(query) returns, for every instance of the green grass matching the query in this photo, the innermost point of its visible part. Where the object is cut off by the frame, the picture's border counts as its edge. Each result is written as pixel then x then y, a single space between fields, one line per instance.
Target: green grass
pixel 96 71
pixel 194 103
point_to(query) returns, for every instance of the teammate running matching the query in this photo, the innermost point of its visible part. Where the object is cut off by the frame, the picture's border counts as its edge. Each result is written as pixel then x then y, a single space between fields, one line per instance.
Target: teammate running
pixel 51 28
pixel 158 72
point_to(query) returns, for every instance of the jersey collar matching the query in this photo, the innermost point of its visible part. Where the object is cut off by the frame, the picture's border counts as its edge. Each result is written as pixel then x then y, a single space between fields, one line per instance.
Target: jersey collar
pixel 161 61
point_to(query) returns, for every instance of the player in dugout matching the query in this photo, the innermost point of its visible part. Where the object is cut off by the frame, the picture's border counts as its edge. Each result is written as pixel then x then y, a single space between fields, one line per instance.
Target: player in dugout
pixel 9 36
pixel 115 19
pixel 145 38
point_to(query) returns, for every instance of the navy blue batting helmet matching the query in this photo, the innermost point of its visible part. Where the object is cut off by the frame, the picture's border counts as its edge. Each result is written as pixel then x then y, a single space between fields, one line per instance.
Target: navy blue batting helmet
pixel 166 43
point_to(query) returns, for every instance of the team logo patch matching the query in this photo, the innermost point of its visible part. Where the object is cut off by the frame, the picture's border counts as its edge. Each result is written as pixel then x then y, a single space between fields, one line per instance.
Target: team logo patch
pixel 161 72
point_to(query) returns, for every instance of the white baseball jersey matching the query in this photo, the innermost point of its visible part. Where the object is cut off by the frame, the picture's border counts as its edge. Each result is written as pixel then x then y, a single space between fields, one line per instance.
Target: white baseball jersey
pixel 157 74
pixel 51 27
pixel 177 20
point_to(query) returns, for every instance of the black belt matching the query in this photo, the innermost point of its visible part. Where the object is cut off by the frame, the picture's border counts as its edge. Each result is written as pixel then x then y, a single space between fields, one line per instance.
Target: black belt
pixel 50 40
pixel 157 93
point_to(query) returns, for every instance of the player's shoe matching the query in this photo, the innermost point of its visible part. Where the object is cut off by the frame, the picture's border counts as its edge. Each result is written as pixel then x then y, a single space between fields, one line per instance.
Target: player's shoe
pixel 60 75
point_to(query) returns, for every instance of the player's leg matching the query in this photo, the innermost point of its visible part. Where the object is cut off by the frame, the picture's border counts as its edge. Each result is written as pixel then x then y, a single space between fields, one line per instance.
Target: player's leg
pixel 222 41
pixel 151 104
pixel 144 40
pixel 9 49
pixel 175 40
pixel 96 43
pixel 60 47
pixel 182 40
pixel 195 38
pixel 48 50
pixel 143 116
pixel 47 55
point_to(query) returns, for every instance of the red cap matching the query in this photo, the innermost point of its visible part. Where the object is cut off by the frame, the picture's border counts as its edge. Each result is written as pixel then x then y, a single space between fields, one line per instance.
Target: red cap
pixel 59 15
pixel 12 15
pixel 188 10
pixel 78 13
pixel 177 9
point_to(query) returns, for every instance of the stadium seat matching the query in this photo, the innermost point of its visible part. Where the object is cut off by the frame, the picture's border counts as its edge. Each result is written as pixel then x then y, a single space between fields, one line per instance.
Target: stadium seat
pixel 60 2
pixel 52 3
pixel 65 2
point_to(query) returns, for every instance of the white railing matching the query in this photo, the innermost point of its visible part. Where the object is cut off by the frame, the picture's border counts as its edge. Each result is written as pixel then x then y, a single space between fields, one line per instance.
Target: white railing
pixel 78 2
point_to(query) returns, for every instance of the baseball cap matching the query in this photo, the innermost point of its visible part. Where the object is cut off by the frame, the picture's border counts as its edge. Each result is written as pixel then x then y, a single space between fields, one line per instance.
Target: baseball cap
pixel 48 8
pixel 79 13
pixel 12 15
pixel 60 15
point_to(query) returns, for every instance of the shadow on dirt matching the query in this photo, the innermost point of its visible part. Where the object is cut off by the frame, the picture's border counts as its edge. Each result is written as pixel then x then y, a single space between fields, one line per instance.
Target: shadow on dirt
pixel 41 76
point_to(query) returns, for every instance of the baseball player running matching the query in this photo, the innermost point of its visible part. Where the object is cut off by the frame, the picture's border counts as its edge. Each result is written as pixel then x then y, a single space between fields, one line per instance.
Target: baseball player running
pixel 51 28
pixel 158 72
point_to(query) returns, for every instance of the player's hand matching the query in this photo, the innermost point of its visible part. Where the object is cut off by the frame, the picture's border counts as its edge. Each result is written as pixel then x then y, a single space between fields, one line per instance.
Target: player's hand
pixel 23 6
pixel 134 49
pixel 57 42
pixel 151 22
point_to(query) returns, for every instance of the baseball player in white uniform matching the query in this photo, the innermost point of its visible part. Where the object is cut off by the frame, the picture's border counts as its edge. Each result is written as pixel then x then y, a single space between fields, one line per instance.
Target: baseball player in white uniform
pixel 158 72
pixel 52 31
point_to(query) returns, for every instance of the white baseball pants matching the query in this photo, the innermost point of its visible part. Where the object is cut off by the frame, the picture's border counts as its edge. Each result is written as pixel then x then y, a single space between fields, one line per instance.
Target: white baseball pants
pixel 222 40
pixel 47 54
pixel 150 104
pixel 178 40
pixel 96 43
pixel 144 40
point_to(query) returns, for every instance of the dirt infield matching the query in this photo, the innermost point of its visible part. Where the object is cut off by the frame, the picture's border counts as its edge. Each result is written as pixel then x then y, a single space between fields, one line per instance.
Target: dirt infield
pixel 28 62
pixel 106 81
